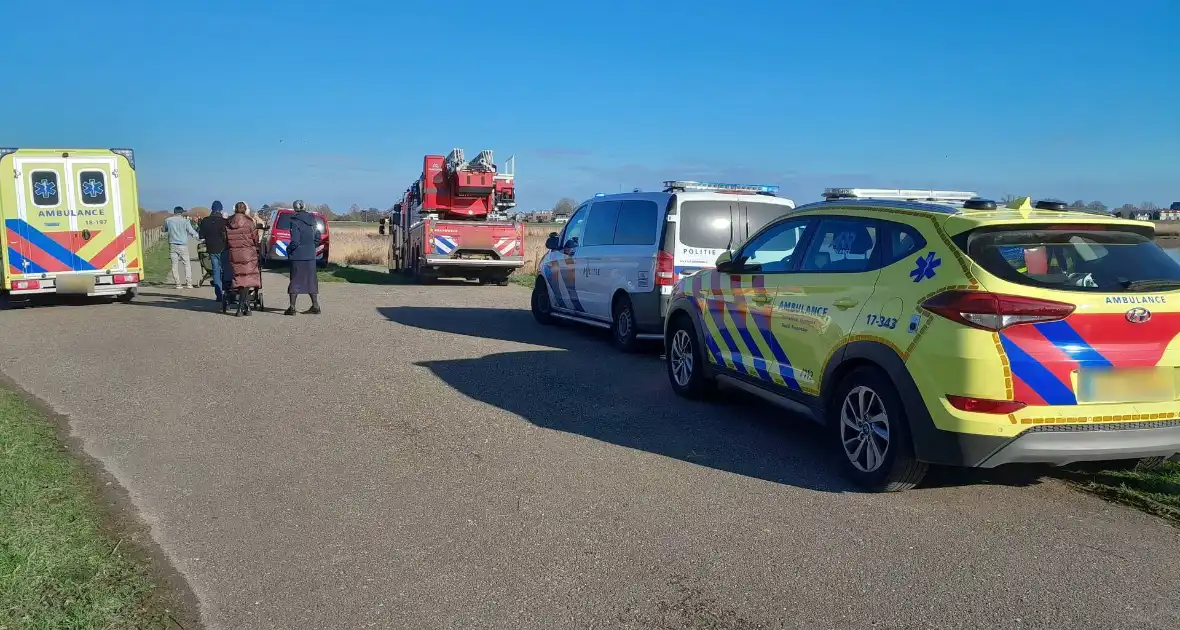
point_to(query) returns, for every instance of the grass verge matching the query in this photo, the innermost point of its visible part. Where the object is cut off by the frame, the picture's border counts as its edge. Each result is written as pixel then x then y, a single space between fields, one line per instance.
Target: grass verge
pixel 353 275
pixel 57 567
pixel 157 264
pixel 1155 490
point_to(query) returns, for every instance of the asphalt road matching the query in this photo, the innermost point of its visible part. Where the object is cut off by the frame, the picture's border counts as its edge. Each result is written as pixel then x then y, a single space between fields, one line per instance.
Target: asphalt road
pixel 428 457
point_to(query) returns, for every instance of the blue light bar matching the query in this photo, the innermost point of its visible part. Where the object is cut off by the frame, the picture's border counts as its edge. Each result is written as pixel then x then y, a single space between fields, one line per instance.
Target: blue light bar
pixel 599 194
pixel 687 185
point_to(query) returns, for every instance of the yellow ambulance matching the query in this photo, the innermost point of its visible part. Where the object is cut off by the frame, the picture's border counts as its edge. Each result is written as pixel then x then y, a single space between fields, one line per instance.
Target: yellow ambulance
pixel 71 224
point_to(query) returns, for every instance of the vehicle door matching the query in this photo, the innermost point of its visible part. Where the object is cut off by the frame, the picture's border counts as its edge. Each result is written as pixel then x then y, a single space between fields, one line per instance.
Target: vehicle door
pixel 739 316
pixel 818 305
pixel 633 259
pixel 597 245
pixel 104 230
pixel 561 268
pixel 40 234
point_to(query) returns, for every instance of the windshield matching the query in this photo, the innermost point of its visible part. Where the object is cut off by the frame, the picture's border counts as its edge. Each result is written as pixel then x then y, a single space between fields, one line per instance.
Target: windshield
pixel 283 222
pixel 1076 259
pixel 706 224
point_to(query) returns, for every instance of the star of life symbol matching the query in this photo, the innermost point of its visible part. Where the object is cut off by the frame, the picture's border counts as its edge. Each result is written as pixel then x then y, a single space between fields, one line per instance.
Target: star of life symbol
pixel 92 188
pixel 44 188
pixel 925 267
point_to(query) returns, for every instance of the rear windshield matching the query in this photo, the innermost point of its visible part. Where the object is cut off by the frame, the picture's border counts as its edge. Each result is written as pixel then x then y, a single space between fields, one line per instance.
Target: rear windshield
pixel 706 224
pixel 1075 259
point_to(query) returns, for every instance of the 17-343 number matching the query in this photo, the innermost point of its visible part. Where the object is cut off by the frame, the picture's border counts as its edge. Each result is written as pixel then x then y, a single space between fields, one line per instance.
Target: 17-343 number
pixel 881 322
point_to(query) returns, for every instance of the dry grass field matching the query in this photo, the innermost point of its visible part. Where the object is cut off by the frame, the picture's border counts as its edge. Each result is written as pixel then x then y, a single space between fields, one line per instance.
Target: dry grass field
pixel 362 245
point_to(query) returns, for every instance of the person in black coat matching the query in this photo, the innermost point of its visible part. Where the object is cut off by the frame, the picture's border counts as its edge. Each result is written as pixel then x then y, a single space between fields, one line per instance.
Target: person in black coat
pixel 301 253
pixel 211 229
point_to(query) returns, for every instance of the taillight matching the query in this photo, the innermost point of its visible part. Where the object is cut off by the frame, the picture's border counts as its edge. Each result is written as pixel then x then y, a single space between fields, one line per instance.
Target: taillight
pixel 125 278
pixel 665 269
pixel 26 285
pixel 983 405
pixel 994 312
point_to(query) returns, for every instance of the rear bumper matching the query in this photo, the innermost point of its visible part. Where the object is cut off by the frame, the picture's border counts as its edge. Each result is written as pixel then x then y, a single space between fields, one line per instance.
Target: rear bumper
pixel 112 290
pixel 470 262
pixel 650 309
pixel 1066 444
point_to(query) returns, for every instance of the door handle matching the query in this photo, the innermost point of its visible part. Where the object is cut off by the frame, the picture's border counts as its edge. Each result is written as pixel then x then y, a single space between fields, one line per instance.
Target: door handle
pixel 843 303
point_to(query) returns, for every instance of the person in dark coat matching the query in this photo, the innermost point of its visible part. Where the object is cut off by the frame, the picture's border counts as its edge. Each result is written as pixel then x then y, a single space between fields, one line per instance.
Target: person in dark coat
pixel 301 253
pixel 241 238
pixel 212 231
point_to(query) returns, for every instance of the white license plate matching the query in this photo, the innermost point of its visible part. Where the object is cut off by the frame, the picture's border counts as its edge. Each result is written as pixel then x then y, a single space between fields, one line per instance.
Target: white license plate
pixel 1126 385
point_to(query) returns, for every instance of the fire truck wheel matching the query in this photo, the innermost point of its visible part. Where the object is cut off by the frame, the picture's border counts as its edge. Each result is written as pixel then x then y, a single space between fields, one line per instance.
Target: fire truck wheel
pixel 623 324
pixel 542 309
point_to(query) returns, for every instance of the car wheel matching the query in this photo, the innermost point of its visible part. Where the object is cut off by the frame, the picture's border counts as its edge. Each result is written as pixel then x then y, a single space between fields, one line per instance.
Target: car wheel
pixel 872 433
pixel 685 361
pixel 127 296
pixel 623 324
pixel 542 309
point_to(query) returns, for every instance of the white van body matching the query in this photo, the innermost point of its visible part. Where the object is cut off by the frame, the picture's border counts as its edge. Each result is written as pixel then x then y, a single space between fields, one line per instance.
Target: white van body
pixel 620 254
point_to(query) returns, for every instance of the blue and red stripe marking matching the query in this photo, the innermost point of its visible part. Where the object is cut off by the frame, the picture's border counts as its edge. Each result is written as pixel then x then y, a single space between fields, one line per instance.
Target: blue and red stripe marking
pixel 56 251
pixel 40 250
pixel 1044 356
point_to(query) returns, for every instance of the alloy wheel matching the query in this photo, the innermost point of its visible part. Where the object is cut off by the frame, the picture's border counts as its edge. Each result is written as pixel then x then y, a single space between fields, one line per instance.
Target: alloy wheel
pixel 864 429
pixel 680 357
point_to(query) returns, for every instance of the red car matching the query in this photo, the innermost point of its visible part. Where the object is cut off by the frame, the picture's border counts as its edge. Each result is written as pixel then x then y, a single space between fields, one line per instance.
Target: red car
pixel 277 236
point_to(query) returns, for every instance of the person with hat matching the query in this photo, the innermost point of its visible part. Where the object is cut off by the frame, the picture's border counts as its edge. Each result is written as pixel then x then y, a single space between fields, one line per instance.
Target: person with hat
pixel 180 231
pixel 212 231
pixel 301 253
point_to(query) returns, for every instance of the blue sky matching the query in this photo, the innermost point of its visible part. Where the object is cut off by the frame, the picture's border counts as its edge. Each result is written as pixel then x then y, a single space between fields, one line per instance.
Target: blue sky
pixel 265 100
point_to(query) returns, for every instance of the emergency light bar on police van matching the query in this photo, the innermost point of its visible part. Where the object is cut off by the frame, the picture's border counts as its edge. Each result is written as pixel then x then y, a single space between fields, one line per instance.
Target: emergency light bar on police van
pixel 899 194
pixel 694 186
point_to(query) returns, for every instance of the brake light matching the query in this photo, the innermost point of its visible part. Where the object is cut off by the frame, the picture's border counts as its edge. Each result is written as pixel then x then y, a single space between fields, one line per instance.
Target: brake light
pixel 26 285
pixel 665 269
pixel 995 312
pixel 125 278
pixel 983 405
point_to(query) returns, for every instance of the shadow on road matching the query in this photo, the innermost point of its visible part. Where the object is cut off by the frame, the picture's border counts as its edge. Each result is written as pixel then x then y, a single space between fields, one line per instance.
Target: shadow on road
pixel 587 388
pixel 198 303
pixel 504 325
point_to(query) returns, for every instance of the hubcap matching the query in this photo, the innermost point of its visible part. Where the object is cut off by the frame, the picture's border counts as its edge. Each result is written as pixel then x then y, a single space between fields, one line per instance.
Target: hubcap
pixel 864 429
pixel 623 323
pixel 680 358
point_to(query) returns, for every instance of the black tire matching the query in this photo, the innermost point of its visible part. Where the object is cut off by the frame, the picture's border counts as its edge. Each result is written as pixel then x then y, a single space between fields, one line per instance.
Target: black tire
pixel 685 362
pixel 324 262
pixel 868 393
pixel 622 325
pixel 128 295
pixel 541 307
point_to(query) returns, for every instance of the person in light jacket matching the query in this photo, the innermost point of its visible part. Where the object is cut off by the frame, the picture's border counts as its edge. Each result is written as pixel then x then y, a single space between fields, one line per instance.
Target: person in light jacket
pixel 241 239
pixel 180 231
pixel 301 253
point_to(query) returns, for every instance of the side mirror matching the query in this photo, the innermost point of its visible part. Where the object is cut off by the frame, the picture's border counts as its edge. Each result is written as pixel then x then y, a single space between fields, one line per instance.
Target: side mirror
pixel 553 242
pixel 725 262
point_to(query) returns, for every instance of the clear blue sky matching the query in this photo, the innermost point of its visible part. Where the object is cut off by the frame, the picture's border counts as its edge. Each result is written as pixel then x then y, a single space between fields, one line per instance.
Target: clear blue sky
pixel 264 100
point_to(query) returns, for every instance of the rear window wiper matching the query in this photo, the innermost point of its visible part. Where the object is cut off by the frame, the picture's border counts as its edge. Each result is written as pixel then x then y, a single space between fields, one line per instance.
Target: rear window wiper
pixel 1151 284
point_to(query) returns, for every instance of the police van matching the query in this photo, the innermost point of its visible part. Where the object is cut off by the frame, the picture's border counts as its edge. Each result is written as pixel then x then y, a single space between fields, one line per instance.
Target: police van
pixel 615 261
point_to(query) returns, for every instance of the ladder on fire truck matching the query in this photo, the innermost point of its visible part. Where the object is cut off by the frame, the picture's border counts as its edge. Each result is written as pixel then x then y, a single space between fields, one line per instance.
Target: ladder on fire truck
pixel 481 164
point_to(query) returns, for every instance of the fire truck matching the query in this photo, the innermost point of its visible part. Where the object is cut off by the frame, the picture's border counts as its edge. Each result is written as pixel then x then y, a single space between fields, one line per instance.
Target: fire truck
pixel 452 222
